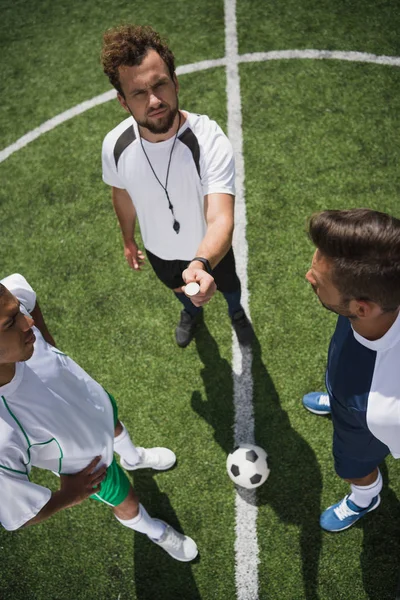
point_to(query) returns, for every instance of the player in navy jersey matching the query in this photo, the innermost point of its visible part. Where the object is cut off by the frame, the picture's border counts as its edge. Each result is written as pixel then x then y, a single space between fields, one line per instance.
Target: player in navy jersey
pixel 355 272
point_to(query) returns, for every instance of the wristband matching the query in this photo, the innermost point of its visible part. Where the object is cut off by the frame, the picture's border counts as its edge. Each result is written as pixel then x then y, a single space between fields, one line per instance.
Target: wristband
pixel 205 263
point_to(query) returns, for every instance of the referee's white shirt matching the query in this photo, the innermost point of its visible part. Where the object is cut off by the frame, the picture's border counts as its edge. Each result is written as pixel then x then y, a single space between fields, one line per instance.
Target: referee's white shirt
pixel 53 415
pixel 202 163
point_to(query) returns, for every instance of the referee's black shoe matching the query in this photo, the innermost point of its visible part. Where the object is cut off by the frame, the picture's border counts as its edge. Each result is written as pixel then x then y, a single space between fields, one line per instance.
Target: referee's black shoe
pixel 243 327
pixel 186 327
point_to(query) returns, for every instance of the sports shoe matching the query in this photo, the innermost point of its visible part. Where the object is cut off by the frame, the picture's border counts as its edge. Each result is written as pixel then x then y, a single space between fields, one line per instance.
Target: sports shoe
pixel 186 327
pixel 243 327
pixel 345 513
pixel 317 403
pixel 159 459
pixel 179 546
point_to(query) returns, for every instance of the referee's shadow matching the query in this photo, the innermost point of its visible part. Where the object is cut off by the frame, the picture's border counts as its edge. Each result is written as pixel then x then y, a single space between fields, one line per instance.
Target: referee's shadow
pixel 295 483
pixel 158 575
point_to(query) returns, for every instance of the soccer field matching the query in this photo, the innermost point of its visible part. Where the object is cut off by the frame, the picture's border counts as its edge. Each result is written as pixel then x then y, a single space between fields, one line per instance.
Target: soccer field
pixel 309 92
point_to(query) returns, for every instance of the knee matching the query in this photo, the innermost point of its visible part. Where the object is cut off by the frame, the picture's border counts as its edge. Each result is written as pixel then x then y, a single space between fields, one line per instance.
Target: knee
pixel 129 508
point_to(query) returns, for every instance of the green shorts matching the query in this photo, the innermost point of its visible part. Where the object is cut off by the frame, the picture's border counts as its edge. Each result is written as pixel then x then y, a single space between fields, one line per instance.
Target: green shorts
pixel 115 486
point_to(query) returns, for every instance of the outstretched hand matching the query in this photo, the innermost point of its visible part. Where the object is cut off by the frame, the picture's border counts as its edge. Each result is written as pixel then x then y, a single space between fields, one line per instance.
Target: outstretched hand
pixel 205 281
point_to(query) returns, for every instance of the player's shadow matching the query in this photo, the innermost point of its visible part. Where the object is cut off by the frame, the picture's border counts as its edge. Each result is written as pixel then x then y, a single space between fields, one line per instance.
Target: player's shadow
pixel 217 408
pixel 380 557
pixel 158 575
pixel 295 484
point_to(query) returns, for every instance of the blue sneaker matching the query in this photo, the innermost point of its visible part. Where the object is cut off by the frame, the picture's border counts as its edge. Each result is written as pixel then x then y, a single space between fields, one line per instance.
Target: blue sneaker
pixel 317 403
pixel 345 513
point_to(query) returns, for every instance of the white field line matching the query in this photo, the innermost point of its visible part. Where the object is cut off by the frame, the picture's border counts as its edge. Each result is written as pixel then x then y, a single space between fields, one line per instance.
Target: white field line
pixel 246 546
pixel 52 123
pixel 84 106
pixel 393 61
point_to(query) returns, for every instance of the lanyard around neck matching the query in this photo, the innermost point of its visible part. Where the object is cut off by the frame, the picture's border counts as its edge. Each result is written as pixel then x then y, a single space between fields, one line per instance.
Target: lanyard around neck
pixel 176 225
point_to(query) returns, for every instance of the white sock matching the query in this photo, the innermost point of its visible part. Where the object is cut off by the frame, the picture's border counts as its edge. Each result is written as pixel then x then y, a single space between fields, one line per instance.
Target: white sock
pixel 124 446
pixel 145 524
pixel 362 495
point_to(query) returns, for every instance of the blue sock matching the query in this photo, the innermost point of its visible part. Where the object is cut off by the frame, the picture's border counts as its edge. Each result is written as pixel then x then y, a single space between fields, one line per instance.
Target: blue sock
pixel 233 300
pixel 188 304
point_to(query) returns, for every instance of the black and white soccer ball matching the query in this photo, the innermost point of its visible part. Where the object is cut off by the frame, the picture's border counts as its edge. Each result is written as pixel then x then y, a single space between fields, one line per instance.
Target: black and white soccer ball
pixel 247 466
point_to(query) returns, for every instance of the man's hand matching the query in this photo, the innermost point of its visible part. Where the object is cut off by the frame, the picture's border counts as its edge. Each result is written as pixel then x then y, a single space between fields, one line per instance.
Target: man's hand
pixel 133 255
pixel 205 281
pixel 76 488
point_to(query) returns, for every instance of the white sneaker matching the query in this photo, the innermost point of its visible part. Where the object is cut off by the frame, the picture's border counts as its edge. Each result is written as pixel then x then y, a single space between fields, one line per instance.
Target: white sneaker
pixel 159 459
pixel 179 546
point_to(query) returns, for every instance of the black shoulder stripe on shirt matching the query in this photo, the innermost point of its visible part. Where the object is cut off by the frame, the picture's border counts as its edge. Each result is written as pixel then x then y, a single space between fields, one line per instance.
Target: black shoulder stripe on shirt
pixel 190 140
pixel 126 138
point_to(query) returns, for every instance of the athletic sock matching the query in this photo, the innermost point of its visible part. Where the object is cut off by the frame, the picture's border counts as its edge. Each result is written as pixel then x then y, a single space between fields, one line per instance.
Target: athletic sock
pixel 124 446
pixel 362 495
pixel 143 523
pixel 188 304
pixel 233 300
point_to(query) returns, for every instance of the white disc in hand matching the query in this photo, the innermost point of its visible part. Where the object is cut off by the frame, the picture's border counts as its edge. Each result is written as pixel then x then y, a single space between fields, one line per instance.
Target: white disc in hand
pixel 192 288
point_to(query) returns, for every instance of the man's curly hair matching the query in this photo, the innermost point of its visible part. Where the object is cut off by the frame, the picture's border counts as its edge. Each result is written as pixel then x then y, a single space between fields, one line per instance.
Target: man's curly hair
pixel 127 45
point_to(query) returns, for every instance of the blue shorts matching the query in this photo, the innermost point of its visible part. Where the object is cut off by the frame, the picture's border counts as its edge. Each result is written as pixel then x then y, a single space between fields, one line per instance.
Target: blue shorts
pixel 351 468
pixel 355 450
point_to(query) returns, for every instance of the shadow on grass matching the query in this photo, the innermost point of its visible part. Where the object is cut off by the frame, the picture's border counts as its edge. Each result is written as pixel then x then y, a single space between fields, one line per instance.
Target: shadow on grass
pixel 380 556
pixel 217 407
pixel 158 575
pixel 295 484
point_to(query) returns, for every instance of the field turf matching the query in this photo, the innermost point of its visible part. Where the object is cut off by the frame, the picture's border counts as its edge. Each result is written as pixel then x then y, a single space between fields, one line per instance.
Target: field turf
pixel 317 134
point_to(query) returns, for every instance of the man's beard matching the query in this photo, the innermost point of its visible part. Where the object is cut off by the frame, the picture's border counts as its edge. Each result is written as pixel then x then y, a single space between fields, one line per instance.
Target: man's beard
pixel 338 309
pixel 164 124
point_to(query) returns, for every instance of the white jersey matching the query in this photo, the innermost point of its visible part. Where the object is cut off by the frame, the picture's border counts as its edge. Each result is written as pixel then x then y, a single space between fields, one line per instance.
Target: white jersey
pixel 202 163
pixel 53 415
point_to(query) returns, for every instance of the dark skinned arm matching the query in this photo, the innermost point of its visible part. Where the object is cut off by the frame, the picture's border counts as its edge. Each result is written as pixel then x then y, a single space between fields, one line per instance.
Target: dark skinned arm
pixel 74 490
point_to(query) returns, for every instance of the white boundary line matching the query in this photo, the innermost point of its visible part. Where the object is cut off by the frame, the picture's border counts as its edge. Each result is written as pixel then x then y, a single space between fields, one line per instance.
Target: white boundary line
pixel 393 61
pixel 246 545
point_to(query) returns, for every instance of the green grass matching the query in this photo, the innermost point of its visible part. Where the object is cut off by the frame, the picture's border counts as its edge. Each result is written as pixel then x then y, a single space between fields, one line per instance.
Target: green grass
pixel 357 25
pixel 317 134
pixel 50 50
pixel 314 152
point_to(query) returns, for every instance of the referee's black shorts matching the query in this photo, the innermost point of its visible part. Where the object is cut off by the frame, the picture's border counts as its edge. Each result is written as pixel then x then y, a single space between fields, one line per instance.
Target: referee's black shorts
pixel 170 272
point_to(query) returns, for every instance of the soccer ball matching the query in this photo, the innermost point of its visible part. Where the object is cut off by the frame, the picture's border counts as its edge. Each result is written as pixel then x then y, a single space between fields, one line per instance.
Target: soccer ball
pixel 247 466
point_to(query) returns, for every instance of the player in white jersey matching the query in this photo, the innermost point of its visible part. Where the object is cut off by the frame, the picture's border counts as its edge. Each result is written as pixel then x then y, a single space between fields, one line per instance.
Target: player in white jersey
pixel 355 273
pixel 54 416
pixel 174 172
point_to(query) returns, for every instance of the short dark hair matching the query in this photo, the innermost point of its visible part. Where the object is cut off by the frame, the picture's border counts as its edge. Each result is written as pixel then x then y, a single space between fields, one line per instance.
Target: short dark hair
pixel 127 45
pixel 2 289
pixel 363 246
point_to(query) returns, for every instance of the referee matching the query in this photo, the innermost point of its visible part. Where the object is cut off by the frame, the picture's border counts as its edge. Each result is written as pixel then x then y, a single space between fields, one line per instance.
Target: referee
pixel 173 172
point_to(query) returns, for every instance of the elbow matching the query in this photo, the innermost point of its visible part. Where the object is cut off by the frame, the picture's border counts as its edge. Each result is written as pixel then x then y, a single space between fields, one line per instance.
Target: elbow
pixel 228 228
